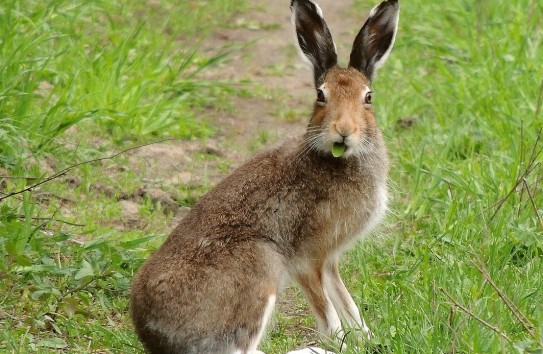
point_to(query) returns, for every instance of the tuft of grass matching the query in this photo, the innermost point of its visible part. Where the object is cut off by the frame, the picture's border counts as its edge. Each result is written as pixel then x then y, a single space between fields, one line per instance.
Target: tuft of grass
pixel 113 66
pixel 78 80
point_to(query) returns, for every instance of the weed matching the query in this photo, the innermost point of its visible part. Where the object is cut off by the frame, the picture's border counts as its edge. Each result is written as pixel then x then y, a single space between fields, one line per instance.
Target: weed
pixel 78 79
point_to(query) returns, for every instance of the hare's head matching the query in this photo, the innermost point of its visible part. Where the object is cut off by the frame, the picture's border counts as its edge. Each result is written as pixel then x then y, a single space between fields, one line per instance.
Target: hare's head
pixel 343 123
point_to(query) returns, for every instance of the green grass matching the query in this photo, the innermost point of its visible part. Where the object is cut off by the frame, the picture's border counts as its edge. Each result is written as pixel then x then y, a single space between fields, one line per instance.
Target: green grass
pixel 115 66
pixel 463 241
pixel 78 81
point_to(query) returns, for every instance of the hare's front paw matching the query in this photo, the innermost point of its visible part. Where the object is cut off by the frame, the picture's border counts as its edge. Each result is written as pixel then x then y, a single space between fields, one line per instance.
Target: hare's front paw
pixel 311 350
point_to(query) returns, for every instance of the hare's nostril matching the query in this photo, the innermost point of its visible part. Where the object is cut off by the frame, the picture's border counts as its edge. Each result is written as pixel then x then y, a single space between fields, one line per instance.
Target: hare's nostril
pixel 344 129
pixel 344 134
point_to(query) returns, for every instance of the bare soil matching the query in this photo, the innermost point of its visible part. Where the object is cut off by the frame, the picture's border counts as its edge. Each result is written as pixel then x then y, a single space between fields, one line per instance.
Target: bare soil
pixel 281 84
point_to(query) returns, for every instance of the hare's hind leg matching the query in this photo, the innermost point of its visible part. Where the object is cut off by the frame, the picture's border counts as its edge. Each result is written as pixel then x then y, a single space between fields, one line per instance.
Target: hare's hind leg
pixel 341 298
pixel 310 350
pixel 310 280
pixel 268 309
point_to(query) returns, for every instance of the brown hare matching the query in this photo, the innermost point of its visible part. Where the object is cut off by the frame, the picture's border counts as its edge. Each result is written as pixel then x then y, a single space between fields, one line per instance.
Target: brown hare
pixel 289 212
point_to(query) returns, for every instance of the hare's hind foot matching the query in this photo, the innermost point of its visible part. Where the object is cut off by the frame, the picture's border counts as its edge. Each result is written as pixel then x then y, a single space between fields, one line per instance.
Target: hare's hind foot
pixel 310 350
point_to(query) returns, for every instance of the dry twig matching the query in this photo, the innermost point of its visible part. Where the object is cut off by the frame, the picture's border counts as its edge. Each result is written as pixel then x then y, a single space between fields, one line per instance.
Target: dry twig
pixel 532 165
pixel 521 317
pixel 479 319
pixel 533 203
pixel 69 168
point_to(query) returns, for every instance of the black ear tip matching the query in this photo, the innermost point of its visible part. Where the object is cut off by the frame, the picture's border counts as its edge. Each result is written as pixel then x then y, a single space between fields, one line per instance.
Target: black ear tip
pixel 308 3
pixel 296 1
pixel 391 4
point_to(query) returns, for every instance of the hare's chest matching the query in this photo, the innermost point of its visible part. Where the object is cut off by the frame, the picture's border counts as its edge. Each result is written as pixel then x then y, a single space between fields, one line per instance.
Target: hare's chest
pixel 355 214
pixel 377 209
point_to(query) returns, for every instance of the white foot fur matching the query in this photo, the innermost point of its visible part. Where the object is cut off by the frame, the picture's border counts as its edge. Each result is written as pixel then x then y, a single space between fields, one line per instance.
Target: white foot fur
pixel 310 350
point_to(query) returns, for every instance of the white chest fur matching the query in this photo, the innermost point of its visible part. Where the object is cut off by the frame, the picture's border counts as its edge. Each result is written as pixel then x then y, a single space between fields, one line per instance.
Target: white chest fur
pixel 352 218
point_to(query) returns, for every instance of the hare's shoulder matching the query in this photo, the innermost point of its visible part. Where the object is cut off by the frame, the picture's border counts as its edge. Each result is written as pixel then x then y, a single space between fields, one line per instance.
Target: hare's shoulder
pixel 252 183
pixel 270 164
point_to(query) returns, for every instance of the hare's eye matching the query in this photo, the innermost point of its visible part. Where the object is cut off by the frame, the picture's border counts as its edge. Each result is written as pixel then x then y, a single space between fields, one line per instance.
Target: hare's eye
pixel 320 96
pixel 367 99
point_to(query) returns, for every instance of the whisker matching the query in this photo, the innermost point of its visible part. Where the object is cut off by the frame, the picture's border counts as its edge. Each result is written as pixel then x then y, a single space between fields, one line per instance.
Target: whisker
pixel 312 139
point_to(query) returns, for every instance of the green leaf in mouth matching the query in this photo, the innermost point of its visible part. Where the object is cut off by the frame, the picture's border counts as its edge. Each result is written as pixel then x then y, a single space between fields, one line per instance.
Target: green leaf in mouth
pixel 338 149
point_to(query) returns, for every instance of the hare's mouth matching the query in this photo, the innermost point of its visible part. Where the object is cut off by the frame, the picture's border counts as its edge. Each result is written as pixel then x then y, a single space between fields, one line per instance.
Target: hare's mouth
pixel 338 149
pixel 349 148
pixel 343 150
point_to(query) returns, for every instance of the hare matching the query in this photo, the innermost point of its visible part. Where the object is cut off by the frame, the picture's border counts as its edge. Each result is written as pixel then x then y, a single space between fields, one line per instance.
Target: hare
pixel 289 212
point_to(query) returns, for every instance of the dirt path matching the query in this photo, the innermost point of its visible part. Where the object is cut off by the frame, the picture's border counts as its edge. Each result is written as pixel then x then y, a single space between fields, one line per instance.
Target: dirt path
pixel 281 91
pixel 270 61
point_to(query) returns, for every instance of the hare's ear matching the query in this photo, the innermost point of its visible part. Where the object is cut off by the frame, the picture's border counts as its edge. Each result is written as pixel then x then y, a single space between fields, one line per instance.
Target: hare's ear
pixel 373 43
pixel 314 40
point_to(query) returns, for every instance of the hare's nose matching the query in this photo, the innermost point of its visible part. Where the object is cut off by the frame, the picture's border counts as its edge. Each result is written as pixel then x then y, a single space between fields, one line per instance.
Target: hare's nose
pixel 344 127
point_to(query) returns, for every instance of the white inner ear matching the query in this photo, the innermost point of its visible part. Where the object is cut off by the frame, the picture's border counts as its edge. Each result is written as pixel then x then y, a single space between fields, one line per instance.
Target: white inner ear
pixel 319 11
pixel 373 11
pixel 394 22
pixel 307 61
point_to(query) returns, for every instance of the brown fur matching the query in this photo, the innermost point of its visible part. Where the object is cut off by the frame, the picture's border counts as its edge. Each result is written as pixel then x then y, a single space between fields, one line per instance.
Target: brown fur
pixel 277 213
pixel 288 212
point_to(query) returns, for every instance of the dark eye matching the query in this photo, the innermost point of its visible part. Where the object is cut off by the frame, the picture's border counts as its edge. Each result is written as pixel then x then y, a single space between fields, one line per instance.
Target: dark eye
pixel 320 96
pixel 367 99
